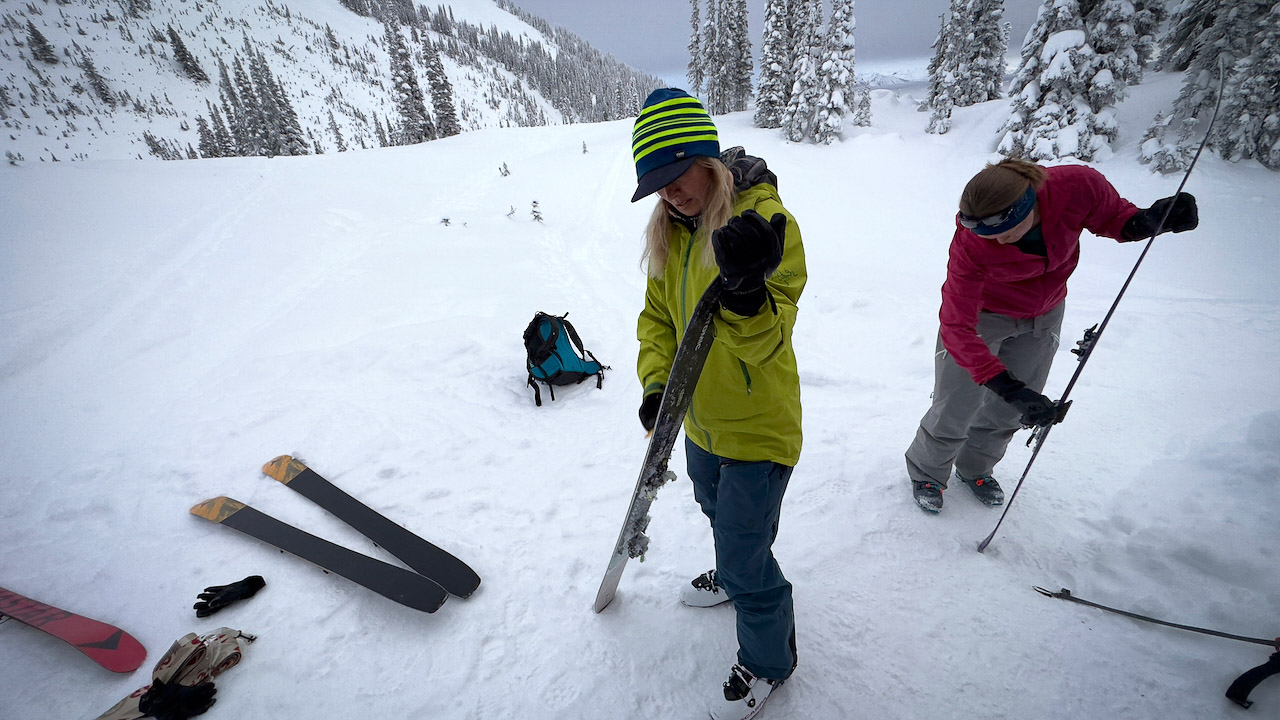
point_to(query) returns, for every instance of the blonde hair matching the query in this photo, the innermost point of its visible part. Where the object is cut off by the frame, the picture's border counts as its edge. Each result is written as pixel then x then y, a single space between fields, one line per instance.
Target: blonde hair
pixel 999 185
pixel 717 208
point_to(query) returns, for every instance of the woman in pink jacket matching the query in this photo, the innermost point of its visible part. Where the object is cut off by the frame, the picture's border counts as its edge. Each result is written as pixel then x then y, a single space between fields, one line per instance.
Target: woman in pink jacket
pixel 1017 240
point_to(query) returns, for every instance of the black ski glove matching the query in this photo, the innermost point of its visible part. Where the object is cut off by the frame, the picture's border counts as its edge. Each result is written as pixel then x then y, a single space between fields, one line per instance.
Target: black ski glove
pixel 748 249
pixel 649 409
pixel 217 597
pixel 1036 409
pixel 1183 217
pixel 173 701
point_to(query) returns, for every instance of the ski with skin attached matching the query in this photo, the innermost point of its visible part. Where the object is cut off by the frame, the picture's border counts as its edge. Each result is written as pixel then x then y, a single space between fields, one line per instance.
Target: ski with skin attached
pixel 685 369
pixel 426 559
pixel 405 587
pixel 107 645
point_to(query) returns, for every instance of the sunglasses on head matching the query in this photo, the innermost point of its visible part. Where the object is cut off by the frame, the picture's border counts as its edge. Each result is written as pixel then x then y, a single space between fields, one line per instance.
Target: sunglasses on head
pixel 1003 220
pixel 996 220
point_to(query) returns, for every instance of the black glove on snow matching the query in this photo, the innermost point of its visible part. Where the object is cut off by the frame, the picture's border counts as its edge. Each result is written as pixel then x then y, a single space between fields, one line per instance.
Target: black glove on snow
pixel 172 701
pixel 1184 216
pixel 748 249
pixel 649 409
pixel 1036 409
pixel 217 597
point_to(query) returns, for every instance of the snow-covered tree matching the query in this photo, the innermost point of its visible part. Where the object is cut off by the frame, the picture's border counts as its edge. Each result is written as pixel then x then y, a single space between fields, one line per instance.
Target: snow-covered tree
pixel 415 124
pixel 983 61
pixel 1230 36
pixel 1249 121
pixel 336 131
pixel 40 48
pixel 190 66
pixel 96 81
pixel 806 23
pixel 941 91
pixel 1052 115
pixel 836 93
pixel 441 95
pixel 1189 21
pixel 1148 16
pixel 711 58
pixel 737 63
pixel 1113 37
pixel 775 67
pixel 695 74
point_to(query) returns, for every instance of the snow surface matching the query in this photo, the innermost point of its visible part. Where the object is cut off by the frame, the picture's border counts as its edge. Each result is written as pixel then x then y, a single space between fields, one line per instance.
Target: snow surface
pixel 169 327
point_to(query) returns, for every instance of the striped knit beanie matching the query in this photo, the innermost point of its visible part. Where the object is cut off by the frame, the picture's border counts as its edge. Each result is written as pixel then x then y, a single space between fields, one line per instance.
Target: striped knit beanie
pixel 673 128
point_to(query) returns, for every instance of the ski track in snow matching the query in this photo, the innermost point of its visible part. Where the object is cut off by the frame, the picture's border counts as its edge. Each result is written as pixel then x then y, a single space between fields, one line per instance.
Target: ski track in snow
pixel 172 326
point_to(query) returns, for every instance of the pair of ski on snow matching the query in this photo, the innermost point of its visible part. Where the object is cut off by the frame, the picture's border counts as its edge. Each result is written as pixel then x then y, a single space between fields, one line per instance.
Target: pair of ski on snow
pixel 435 573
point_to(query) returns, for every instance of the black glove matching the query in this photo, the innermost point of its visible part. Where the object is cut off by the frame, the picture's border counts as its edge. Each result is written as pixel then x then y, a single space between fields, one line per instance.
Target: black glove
pixel 217 597
pixel 1184 216
pixel 173 701
pixel 1036 409
pixel 649 409
pixel 748 249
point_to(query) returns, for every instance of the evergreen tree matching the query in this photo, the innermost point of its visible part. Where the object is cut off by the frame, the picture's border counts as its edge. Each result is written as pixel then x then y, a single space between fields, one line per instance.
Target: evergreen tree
pixel 862 116
pixel 738 67
pixel 1112 36
pixel 983 63
pixel 441 95
pixel 40 48
pixel 775 66
pixel 337 133
pixel 711 60
pixel 96 81
pixel 694 74
pixel 1188 23
pixel 415 124
pixel 1229 38
pixel 185 59
pixel 226 143
pixel 1148 16
pixel 1052 116
pixel 208 142
pixel 836 93
pixel 941 92
pixel 797 120
pixel 1249 121
pixel 250 131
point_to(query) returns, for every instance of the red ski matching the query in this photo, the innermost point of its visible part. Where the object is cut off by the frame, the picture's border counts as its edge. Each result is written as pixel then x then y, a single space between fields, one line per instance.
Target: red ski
pixel 107 645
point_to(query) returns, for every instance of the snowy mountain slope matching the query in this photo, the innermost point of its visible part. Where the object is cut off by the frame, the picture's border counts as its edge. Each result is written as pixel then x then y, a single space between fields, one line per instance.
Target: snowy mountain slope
pixel 326 57
pixel 172 326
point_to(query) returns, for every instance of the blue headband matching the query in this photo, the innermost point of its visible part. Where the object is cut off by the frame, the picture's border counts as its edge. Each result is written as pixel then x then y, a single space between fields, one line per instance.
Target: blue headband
pixel 1005 220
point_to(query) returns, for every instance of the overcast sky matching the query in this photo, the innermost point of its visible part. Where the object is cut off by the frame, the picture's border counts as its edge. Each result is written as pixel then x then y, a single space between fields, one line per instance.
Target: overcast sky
pixel 652 35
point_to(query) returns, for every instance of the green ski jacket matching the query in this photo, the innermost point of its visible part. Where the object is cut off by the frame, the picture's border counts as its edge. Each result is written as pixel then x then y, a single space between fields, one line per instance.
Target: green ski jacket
pixel 747 402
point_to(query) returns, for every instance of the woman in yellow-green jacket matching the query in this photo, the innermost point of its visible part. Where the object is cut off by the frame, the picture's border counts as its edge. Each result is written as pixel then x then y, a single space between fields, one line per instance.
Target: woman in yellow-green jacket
pixel 721 220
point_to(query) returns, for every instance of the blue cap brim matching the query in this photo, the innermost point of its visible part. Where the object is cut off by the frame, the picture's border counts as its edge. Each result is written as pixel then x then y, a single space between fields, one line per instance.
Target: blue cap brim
pixel 660 177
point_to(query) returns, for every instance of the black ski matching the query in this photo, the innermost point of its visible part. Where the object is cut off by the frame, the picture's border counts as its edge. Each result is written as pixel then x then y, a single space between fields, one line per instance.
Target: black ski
pixel 685 369
pixel 405 587
pixel 426 559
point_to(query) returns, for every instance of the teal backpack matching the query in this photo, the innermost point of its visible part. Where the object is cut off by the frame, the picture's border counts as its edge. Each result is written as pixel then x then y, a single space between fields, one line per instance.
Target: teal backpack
pixel 556 356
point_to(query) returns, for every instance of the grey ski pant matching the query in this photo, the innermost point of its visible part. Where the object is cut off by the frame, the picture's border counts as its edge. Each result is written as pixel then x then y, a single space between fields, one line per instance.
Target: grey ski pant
pixel 743 501
pixel 968 426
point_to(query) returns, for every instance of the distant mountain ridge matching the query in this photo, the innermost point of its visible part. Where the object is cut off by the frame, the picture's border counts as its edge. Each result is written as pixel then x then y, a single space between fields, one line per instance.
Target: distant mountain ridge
pixel 132 78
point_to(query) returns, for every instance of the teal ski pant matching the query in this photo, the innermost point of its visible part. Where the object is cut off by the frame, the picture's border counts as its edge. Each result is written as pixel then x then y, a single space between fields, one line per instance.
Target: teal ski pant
pixel 743 501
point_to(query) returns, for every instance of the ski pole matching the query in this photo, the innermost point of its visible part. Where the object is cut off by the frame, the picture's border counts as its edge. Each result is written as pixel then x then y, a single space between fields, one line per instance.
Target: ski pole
pixel 1041 433
pixel 1239 690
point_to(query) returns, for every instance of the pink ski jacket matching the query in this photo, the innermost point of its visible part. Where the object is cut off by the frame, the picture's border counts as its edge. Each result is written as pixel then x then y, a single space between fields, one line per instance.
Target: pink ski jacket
pixel 985 276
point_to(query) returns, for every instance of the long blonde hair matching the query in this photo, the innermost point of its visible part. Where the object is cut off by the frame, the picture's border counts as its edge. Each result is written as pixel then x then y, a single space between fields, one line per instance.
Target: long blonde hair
pixel 716 211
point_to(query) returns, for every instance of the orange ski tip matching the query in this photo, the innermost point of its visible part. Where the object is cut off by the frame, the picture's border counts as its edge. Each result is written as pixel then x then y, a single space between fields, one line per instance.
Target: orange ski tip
pixel 217 509
pixel 284 468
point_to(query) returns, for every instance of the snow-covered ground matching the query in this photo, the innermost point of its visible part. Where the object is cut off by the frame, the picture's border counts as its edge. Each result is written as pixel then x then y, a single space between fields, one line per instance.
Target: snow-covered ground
pixel 170 327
